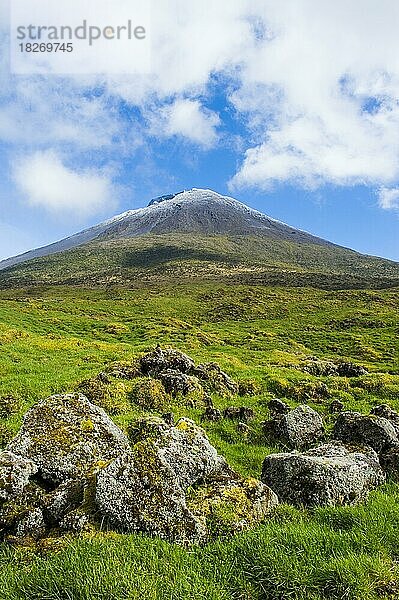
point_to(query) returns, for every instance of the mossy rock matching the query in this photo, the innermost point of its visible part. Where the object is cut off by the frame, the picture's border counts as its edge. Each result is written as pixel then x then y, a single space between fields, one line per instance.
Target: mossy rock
pixel 227 508
pixel 216 380
pixel 124 369
pixel 184 446
pixel 249 387
pixel 162 359
pixel 149 393
pixel 111 396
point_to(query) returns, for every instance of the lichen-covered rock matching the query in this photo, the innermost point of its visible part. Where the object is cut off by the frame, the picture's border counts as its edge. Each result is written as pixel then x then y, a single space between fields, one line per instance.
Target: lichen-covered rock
pixel 31 524
pixel 348 369
pixel 66 436
pixel 145 490
pixel 317 367
pixel 160 360
pixel 239 413
pixel 140 492
pixel 366 430
pixel 232 506
pixel 329 475
pixel 212 414
pixel 385 411
pixel 15 472
pixel 75 521
pixel 65 498
pixel 278 407
pixel 180 384
pixel 299 428
pixel 184 448
pixel 15 510
pixel 216 379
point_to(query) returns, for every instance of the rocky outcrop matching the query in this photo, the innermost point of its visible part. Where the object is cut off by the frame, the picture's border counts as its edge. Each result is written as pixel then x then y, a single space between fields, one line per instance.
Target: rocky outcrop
pixel 176 383
pixel 325 368
pixel 140 492
pixel 180 375
pixel 160 360
pixel 70 468
pixel 329 475
pixel 184 447
pixel 278 407
pixel 146 491
pixel 298 428
pixel 385 411
pixel 66 436
pixel 348 369
pixel 365 430
pixel 318 367
pixel 15 473
pixel 215 379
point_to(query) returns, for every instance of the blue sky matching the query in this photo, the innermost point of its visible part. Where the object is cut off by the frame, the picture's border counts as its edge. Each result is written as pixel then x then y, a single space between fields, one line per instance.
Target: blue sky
pixel 269 109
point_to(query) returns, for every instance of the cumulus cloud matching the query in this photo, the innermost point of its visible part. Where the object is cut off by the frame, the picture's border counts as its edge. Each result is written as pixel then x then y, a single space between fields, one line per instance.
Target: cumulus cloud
pixel 187 119
pixel 321 93
pixel 313 85
pixel 388 198
pixel 47 183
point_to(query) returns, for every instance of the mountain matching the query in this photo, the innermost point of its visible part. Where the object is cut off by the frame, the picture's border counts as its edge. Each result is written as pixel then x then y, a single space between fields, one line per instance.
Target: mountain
pixel 196 234
pixel 192 211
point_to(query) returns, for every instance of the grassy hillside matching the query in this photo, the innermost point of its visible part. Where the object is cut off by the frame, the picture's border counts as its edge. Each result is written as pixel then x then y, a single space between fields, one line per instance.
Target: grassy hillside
pixel 52 338
pixel 242 259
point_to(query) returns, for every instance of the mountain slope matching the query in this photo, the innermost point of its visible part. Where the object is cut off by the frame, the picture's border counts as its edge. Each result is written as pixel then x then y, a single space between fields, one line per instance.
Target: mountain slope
pixel 196 235
pixel 199 211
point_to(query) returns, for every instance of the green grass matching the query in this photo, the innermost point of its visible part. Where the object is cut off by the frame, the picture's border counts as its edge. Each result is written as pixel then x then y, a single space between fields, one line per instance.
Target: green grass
pixel 52 338
pixel 343 553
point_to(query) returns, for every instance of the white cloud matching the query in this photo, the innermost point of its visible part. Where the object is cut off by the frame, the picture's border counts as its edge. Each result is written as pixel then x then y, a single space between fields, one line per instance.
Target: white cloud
pixel 187 119
pixel 316 84
pixel 388 198
pixel 47 183
pixel 327 81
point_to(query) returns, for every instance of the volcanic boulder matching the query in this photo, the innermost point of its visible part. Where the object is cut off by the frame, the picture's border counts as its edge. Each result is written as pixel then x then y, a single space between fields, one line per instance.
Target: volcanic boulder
pixel 328 475
pixel 365 430
pixel 298 428
pixel 66 436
